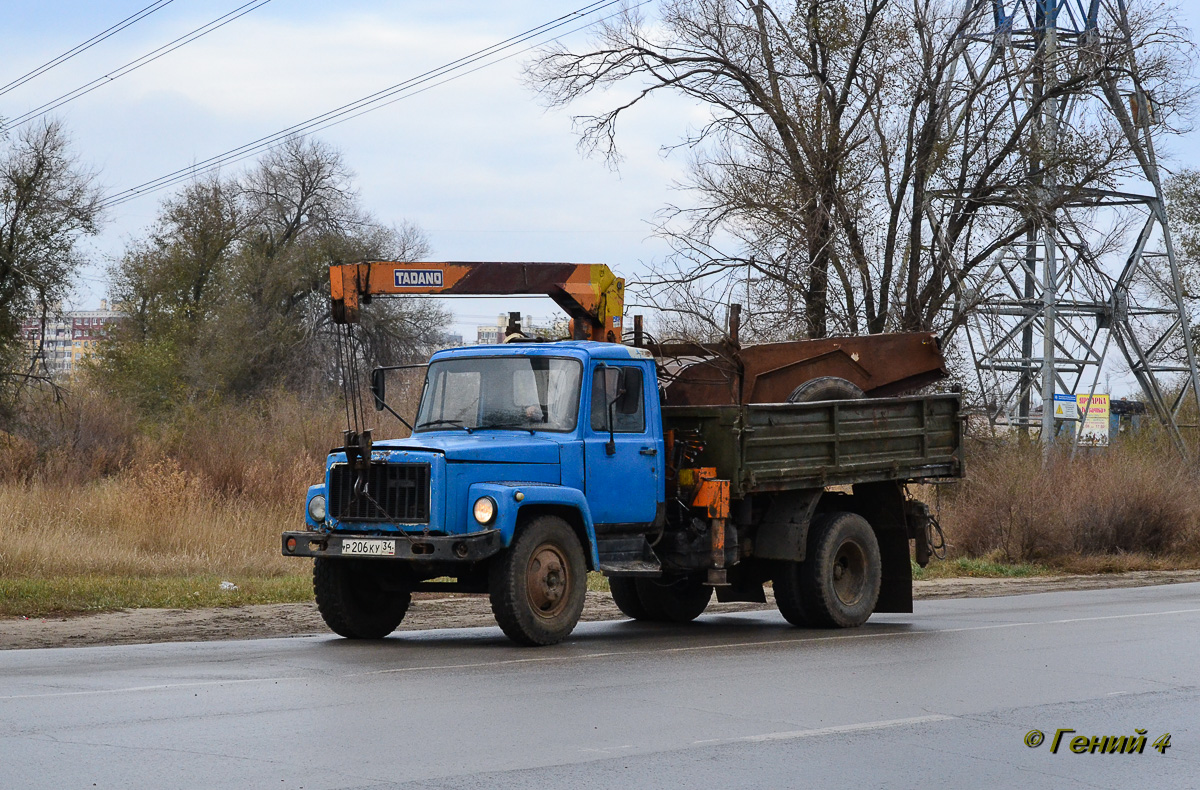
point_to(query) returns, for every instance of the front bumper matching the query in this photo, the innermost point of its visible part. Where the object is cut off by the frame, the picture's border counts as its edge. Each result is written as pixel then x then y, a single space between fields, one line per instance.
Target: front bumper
pixel 414 548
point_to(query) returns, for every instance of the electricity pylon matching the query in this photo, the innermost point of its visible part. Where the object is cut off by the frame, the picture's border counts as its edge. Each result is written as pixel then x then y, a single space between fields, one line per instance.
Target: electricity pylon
pixel 1055 308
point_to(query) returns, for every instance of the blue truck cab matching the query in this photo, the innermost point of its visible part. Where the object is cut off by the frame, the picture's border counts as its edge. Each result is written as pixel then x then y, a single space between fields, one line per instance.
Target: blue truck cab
pixel 530 464
pixel 505 436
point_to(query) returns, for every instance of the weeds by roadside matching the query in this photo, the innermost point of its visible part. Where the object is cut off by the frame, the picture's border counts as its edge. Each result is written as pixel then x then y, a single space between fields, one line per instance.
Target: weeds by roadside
pixel 57 595
pixel 978 568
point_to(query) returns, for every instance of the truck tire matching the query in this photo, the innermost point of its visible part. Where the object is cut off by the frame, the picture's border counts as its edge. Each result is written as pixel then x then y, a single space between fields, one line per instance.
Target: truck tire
pixel 354 601
pixel 837 586
pixel 538 585
pixel 678 601
pixel 825 388
pixel 625 596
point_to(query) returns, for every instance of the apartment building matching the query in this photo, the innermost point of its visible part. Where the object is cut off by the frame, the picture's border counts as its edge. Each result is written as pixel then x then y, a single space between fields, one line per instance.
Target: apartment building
pixel 69 336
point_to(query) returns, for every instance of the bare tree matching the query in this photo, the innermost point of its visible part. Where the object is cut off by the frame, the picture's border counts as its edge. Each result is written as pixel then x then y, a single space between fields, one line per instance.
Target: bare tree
pixel 847 176
pixel 48 201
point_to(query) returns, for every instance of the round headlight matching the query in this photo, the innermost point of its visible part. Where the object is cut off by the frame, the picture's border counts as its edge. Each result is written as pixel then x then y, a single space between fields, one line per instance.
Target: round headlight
pixel 316 508
pixel 485 509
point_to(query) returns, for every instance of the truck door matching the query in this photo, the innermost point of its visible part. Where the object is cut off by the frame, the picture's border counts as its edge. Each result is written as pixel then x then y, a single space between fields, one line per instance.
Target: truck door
pixel 622 480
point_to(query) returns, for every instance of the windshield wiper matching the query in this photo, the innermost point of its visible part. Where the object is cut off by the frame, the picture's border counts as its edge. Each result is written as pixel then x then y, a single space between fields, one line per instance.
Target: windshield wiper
pixel 507 428
pixel 451 423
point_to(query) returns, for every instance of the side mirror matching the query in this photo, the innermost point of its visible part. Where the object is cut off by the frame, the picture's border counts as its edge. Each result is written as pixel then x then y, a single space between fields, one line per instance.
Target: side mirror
pixel 379 387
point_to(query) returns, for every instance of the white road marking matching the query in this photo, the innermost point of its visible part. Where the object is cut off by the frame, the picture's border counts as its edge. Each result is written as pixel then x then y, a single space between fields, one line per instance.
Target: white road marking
pixel 159 687
pixel 837 730
pixel 614 654
pixel 607 749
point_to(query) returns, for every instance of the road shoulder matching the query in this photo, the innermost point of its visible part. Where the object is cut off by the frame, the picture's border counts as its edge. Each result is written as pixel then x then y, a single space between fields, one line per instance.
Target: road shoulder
pixel 136 626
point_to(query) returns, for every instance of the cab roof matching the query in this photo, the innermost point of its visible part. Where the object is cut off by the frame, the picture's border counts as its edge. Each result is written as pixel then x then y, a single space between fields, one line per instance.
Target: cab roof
pixel 580 349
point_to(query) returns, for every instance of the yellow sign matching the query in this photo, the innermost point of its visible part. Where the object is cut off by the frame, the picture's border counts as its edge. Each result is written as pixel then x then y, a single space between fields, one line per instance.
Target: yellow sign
pixel 1093 431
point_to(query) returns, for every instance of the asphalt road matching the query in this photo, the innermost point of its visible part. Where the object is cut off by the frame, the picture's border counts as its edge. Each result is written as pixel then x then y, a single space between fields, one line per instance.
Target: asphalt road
pixel 940 698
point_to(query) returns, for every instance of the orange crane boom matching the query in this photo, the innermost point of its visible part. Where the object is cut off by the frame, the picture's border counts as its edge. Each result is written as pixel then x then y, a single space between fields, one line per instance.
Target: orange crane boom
pixel 590 293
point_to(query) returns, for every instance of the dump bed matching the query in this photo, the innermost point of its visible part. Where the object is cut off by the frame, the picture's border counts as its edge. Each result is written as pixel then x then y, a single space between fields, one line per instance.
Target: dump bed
pixel 777 447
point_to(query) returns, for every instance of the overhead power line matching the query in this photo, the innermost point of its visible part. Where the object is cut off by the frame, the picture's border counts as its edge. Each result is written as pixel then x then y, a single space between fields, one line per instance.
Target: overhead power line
pixel 455 69
pixel 158 5
pixel 134 65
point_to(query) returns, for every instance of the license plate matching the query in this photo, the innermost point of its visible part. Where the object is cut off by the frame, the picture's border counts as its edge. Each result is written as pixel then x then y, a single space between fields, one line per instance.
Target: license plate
pixel 369 548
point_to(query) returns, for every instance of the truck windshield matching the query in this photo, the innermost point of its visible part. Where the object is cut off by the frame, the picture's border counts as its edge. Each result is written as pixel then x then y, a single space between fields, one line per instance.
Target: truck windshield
pixel 524 393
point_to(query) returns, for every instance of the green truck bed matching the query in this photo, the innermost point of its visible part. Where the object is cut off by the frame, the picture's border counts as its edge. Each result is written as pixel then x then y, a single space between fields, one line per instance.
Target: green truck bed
pixel 785 446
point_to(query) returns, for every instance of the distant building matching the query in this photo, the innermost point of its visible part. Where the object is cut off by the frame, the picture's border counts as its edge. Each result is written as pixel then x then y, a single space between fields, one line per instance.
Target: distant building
pixel 492 334
pixel 555 329
pixel 69 336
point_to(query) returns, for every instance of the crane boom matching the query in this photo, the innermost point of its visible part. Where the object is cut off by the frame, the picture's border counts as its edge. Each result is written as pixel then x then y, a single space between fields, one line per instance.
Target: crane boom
pixel 589 292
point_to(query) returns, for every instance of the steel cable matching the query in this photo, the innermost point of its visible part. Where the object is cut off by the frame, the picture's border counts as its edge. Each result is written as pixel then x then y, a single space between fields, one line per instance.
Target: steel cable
pixel 158 5
pixel 411 87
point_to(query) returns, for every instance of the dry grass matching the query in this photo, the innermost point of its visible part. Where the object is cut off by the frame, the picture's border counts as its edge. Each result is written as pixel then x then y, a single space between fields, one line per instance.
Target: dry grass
pixel 92 492
pixel 147 521
pixel 99 510
pixel 1131 507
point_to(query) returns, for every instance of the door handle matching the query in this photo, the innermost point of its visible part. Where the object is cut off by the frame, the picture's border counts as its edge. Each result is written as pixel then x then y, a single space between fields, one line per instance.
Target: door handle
pixel 649 451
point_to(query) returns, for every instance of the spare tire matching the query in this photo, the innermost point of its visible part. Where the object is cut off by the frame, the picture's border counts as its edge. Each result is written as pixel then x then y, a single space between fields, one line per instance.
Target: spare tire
pixel 825 388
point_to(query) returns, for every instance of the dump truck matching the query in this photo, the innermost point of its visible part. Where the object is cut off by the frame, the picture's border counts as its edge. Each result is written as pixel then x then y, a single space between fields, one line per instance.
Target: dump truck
pixel 679 473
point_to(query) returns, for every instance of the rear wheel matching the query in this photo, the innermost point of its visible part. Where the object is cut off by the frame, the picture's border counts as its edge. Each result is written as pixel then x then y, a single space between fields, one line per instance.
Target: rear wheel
pixel 359 599
pixel 673 601
pixel 538 585
pixel 625 596
pixel 837 585
pixel 788 592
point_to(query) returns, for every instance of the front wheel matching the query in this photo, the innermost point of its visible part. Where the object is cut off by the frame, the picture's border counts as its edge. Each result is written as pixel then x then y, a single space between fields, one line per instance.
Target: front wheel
pixel 359 599
pixel 538 585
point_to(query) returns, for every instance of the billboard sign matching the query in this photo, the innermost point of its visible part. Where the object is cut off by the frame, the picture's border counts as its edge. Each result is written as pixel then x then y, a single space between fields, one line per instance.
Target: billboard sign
pixel 1093 431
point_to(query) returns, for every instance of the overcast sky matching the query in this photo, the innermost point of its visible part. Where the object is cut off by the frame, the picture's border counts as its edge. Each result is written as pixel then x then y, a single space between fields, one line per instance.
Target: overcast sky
pixel 477 162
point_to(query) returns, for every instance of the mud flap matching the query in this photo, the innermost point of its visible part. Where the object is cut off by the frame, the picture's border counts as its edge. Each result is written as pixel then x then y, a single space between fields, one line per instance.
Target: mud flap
pixel 895 592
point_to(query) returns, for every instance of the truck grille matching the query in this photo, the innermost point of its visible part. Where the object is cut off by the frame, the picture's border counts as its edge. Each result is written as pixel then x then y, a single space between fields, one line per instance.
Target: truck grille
pixel 397 493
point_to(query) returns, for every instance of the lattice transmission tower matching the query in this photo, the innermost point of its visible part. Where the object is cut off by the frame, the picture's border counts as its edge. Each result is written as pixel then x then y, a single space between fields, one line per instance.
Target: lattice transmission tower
pixel 1093 284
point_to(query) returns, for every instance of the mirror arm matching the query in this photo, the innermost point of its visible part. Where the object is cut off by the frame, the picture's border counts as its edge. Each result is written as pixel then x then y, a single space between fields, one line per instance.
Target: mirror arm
pixel 392 411
pixel 611 447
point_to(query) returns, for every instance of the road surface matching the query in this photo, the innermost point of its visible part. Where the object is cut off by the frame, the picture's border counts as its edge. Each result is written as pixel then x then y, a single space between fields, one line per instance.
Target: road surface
pixel 940 698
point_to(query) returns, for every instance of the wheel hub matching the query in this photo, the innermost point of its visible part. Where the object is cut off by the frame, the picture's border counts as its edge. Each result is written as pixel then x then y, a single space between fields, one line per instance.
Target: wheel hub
pixel 548 580
pixel 849 573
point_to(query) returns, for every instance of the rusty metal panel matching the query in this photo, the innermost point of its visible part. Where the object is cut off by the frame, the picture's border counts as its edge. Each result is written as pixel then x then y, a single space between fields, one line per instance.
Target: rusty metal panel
pixel 880 365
